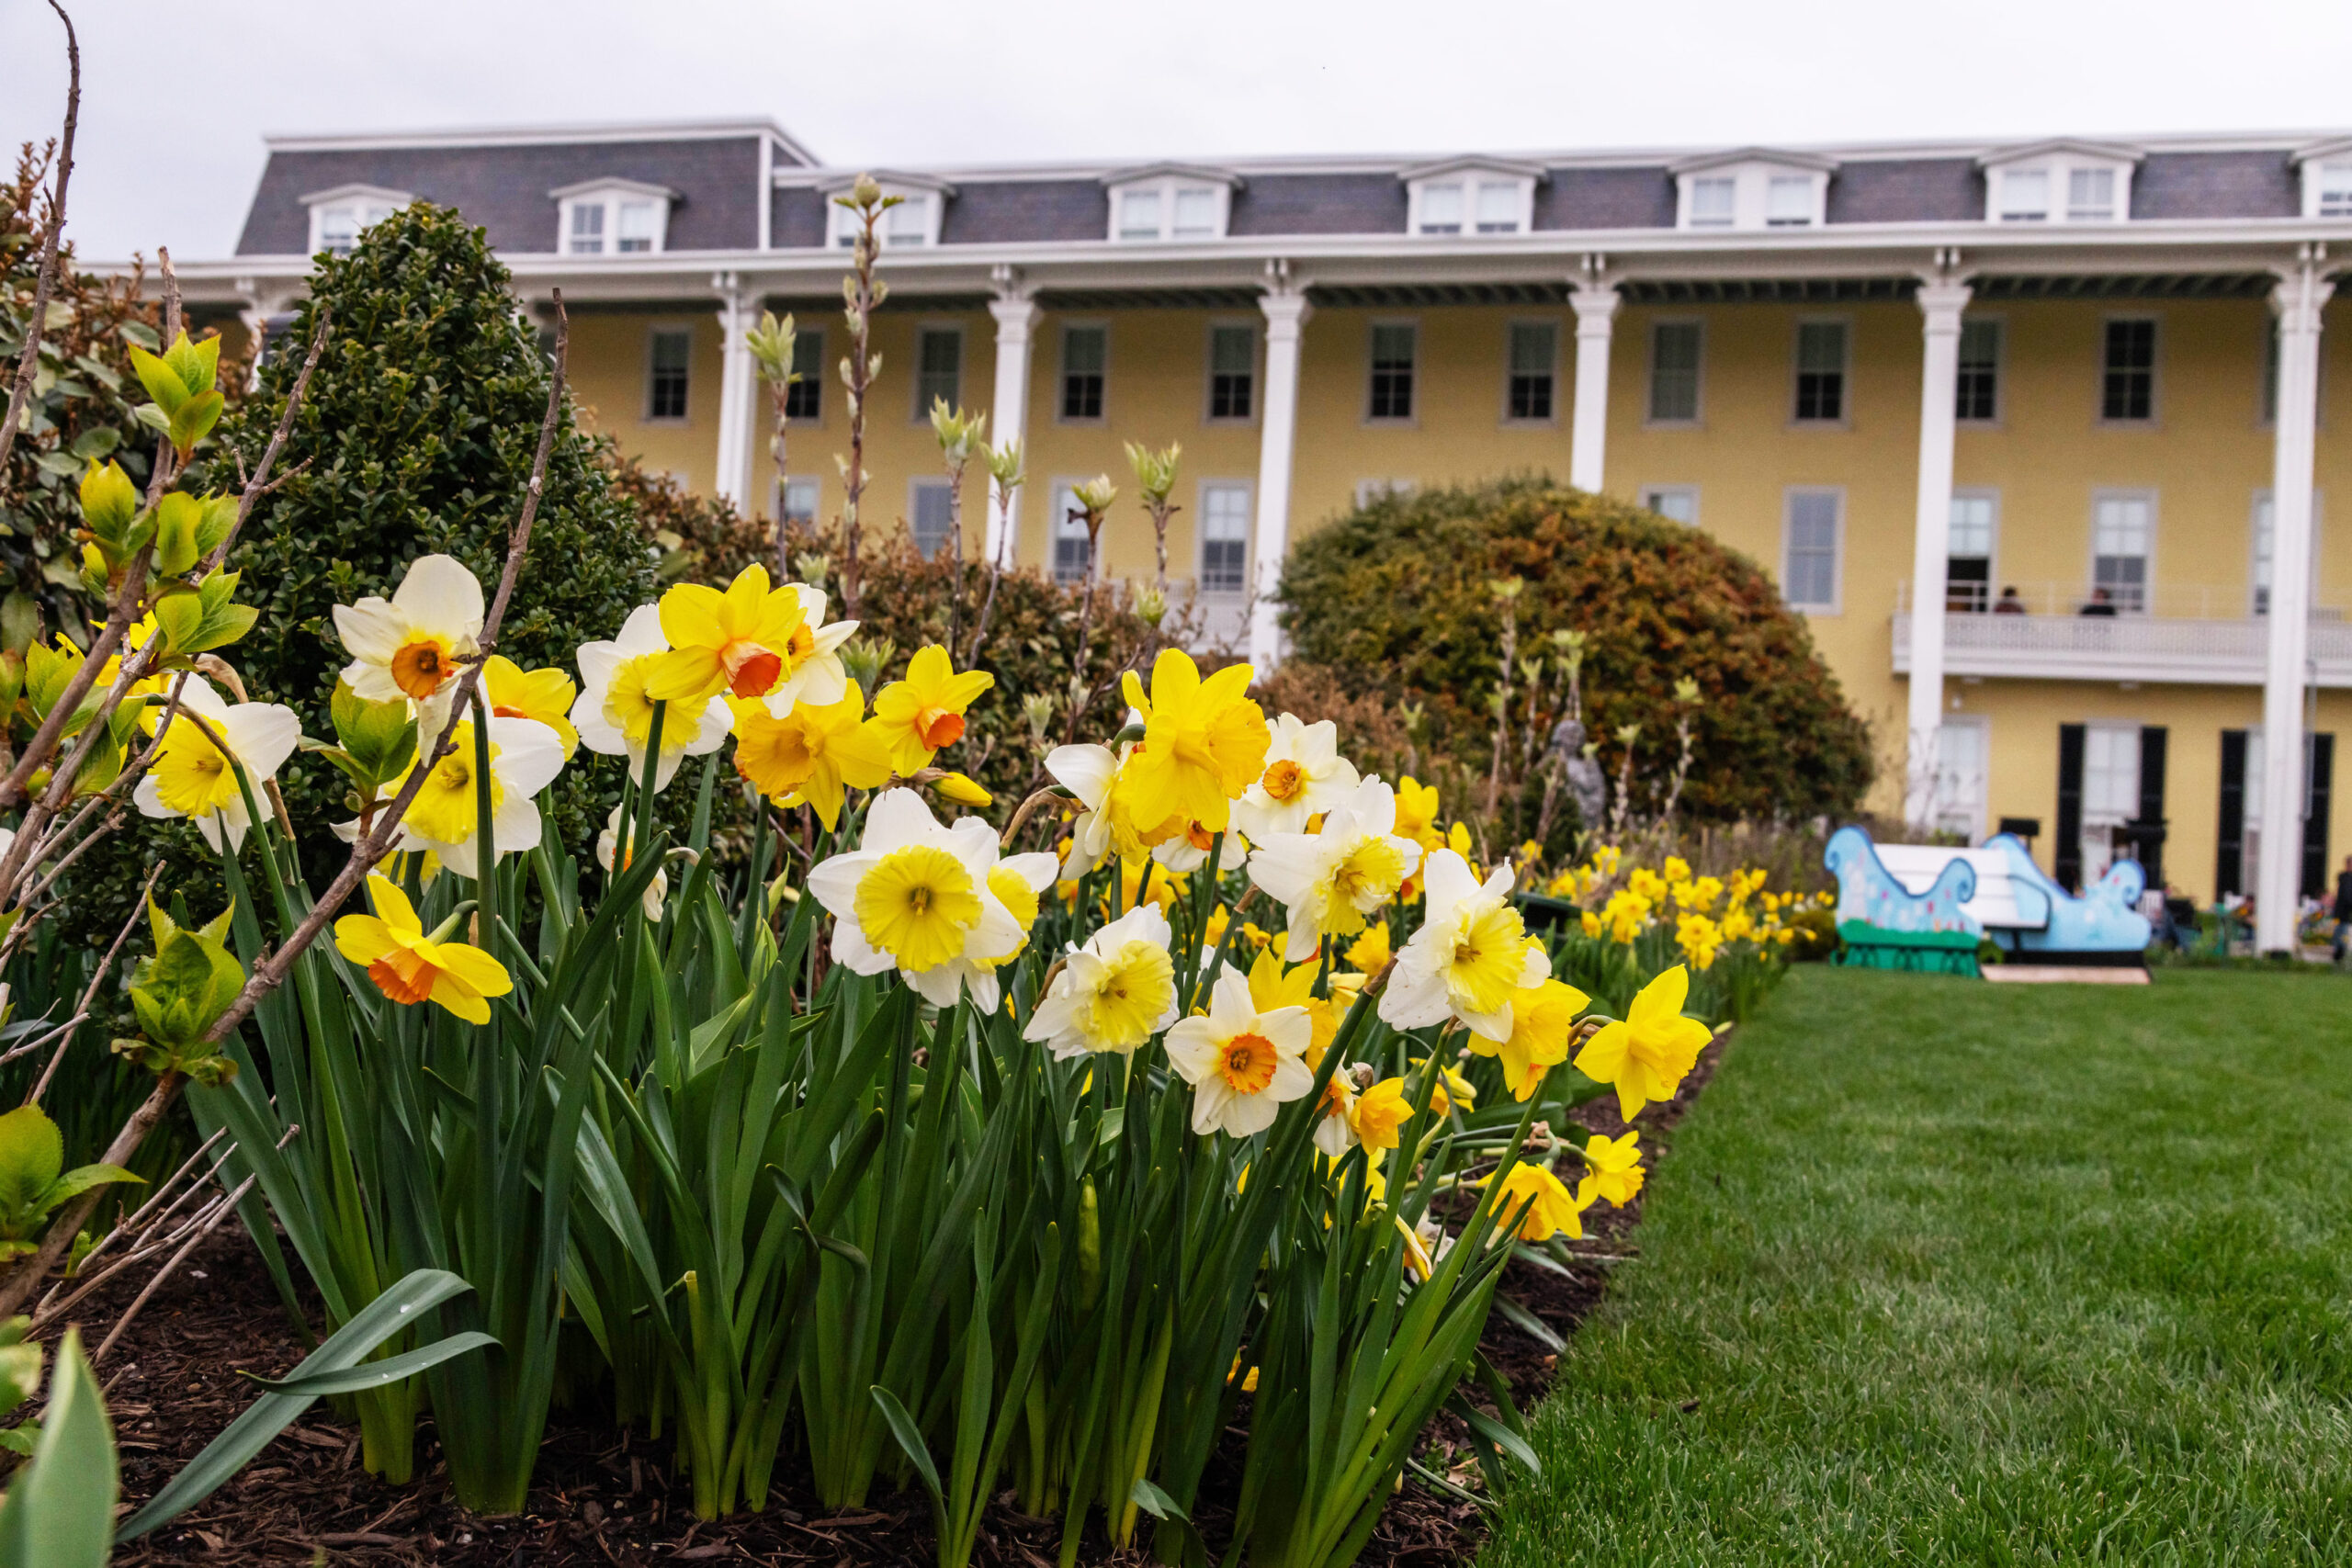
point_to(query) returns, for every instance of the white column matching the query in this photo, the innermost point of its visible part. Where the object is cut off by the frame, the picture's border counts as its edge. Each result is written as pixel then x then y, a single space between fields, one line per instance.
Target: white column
pixel 1016 323
pixel 737 389
pixel 1940 303
pixel 1286 312
pixel 2298 300
pixel 1595 307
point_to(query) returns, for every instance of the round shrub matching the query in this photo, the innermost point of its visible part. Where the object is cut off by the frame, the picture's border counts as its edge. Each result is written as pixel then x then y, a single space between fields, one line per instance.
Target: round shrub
pixel 1393 597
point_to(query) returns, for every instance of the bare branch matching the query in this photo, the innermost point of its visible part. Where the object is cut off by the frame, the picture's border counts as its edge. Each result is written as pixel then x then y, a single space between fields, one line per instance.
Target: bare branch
pixel 30 362
pixel 106 967
pixel 261 484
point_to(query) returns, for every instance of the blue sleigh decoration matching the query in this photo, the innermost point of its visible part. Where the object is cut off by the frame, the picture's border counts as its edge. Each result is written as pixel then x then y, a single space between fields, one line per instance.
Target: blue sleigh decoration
pixel 2102 925
pixel 1925 907
pixel 1887 926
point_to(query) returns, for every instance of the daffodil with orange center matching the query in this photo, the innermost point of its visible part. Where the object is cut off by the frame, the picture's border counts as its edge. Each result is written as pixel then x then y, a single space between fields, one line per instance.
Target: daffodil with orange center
pixel 812 755
pixel 1243 1062
pixel 747 641
pixel 1274 984
pixel 923 713
pixel 415 644
pixel 410 967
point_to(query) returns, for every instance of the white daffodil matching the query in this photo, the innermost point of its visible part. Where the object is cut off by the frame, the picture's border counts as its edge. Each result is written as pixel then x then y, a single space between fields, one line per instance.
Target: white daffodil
pixel 1335 1128
pixel 1242 1064
pixel 812 665
pixel 1088 772
pixel 1112 994
pixel 1332 880
pixel 608 842
pixel 1304 775
pixel 1470 954
pixel 415 644
pixel 916 897
pixel 190 777
pixel 445 816
pixel 1189 851
pixel 614 715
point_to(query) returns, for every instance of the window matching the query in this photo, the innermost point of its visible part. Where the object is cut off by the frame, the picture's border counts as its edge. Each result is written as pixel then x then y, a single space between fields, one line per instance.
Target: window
pixel 1139 215
pixel 913 222
pixel 2122 526
pixel 1197 214
pixel 338 218
pixel 1962 750
pixel 1450 199
pixel 1534 370
pixel 1788 201
pixel 2025 195
pixel 668 359
pixel 2090 196
pixel 805 398
pixel 939 367
pixel 1821 372
pixel 1442 208
pixel 931 516
pixel 2270 370
pixel 1084 351
pixel 2265 548
pixel 588 230
pixel 1233 372
pixel 1677 503
pixel 611 217
pixel 1714 203
pixel 1172 208
pixel 1073 551
pixel 1393 344
pixel 2128 390
pixel 1978 394
pixel 1225 538
pixel 1809 550
pixel 1674 373
pixel 1499 203
pixel 2110 792
pixel 796 496
pixel 2332 194
pixel 1968 568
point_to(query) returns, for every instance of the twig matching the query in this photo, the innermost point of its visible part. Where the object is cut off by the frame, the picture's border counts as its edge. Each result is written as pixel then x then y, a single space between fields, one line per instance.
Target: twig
pixel 131 1222
pixel 220 1212
pixel 30 362
pixel 106 966
pixel 261 484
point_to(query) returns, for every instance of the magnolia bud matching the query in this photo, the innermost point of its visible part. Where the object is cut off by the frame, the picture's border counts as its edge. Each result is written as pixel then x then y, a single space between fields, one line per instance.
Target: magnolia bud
pixel 1152 605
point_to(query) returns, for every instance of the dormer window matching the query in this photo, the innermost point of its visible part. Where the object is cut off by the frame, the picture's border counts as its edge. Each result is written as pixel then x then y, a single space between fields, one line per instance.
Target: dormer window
pixel 1753 188
pixel 339 216
pixel 913 223
pixel 612 218
pixel 2327 179
pixel 1471 197
pixel 1170 202
pixel 2059 182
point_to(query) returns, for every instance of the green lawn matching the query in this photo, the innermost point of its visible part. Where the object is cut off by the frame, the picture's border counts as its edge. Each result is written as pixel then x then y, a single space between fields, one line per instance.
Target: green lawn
pixel 1961 1273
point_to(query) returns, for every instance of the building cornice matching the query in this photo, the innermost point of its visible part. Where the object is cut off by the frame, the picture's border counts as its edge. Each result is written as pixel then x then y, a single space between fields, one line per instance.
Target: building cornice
pixel 2113 152
pixel 537 135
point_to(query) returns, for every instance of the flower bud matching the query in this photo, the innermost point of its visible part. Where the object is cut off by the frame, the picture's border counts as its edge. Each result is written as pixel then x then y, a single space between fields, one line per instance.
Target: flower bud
pixel 866 192
pixel 959 788
pixel 1152 605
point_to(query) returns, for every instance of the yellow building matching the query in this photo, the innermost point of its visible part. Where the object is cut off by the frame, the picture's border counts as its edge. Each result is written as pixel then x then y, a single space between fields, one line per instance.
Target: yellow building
pixel 2067 395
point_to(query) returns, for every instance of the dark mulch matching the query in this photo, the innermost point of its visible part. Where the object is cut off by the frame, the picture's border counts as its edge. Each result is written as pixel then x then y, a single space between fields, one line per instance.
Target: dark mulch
pixel 612 1499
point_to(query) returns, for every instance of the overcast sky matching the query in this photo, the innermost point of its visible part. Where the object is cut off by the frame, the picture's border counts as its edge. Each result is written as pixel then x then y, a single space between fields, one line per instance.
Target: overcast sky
pixel 178 95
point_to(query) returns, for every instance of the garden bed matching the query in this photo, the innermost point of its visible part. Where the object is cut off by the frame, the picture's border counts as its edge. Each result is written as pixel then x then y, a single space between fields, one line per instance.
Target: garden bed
pixel 614 1498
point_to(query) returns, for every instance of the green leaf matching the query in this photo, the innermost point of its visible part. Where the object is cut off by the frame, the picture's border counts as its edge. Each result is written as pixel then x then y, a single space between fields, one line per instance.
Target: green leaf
pixel 198 365
pixel 902 1427
pixel 33 1151
pixel 1144 1494
pixel 375 1374
pixel 176 518
pixel 61 1510
pixel 194 420
pixel 163 383
pixel 96 442
pixel 381 737
pixel 81 1178
pixel 19 622
pixel 19 1371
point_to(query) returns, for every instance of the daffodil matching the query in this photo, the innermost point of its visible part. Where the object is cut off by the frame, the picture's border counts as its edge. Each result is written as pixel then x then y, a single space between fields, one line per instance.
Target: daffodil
pixel 1188 851
pixel 415 645
pixel 1104 784
pixel 445 816
pixel 1470 955
pixel 1114 993
pixel 1274 984
pixel 1304 775
pixel 1203 743
pixel 615 713
pixel 1243 1063
pixel 812 755
pixel 1555 1211
pixel 1646 1054
pixel 1417 812
pixel 752 641
pixel 1334 1122
pixel 1612 1169
pixel 608 846
pixel 915 896
pixel 1019 882
pixel 921 715
pixel 1542 1016
pixel 1379 1115
pixel 542 695
pixel 1369 952
pixel 409 966
pixel 1332 879
pixel 191 778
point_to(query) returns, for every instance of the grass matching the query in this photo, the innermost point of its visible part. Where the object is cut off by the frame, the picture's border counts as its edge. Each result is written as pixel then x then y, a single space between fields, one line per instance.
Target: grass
pixel 1946 1273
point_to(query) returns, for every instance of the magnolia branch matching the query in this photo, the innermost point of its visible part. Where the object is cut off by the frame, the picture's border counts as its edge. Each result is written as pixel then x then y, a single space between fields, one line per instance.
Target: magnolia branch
pixel 28 364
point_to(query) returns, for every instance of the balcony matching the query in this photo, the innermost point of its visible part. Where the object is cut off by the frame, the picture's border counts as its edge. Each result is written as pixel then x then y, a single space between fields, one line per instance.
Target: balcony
pixel 2179 634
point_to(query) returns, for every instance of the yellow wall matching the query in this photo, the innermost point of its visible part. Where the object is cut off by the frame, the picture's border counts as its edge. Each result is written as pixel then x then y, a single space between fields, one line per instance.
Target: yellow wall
pixel 608 366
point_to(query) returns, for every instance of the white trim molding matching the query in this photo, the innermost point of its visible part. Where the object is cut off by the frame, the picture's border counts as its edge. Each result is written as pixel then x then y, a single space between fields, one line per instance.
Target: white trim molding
pixel 1169 203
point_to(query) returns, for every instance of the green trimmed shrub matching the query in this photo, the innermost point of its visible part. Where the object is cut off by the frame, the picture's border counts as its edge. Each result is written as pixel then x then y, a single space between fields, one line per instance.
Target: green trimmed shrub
pixel 1392 599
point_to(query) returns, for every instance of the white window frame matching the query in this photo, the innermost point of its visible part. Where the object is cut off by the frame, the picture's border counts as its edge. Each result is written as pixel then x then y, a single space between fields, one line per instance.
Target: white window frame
pixel 1061 370
pixel 1699 376
pixel 1991 495
pixel 2126 734
pixel 1982 725
pixel 921 414
pixel 2155 372
pixel 911 224
pixel 2000 326
pixel 1845 418
pixel 2057 163
pixel 1249 540
pixel 808 485
pixel 2100 495
pixel 1209 416
pixel 1470 177
pixel 611 196
pixel 368 205
pixel 653 332
pixel 1752 181
pixel 1371 333
pixel 1166 186
pixel 916 489
pixel 2325 171
pixel 1510 326
pixel 1836 602
pixel 1651 495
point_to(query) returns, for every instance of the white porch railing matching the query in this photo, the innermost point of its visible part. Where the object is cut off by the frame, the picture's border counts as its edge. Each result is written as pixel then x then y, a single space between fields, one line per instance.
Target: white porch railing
pixel 2069 646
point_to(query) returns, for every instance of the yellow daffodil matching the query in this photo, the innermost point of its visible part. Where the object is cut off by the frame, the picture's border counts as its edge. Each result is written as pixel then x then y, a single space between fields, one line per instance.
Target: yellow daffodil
pixel 1555 1210
pixel 1304 773
pixel 1416 813
pixel 921 715
pixel 445 816
pixel 1204 741
pixel 1273 985
pixel 750 642
pixel 542 695
pixel 1612 1169
pixel 410 967
pixel 189 777
pixel 1019 882
pixel 1469 957
pixel 813 754
pixel 1542 1016
pixel 1647 1053
pixel 415 645
pixel 1213 934
pixel 614 715
pixel 1332 880
pixel 916 896
pixel 1114 993
pixel 1242 1061
pixel 1369 952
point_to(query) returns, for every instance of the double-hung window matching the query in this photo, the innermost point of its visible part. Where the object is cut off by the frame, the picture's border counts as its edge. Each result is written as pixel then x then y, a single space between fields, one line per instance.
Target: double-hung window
pixel 804 399
pixel 939 368
pixel 1788 201
pixel 669 361
pixel 1810 539
pixel 1535 370
pixel 1676 503
pixel 796 496
pixel 2333 196
pixel 1225 537
pixel 587 229
pixel 1977 393
pixel 1968 566
pixel 2266 549
pixel 1233 372
pixel 1086 352
pixel 1714 203
pixel 2090 196
pixel 2128 380
pixel 931 516
pixel 1674 373
pixel 1821 372
pixel 2122 528
pixel 605 218
pixel 1392 348
pixel 2025 195
pixel 1073 547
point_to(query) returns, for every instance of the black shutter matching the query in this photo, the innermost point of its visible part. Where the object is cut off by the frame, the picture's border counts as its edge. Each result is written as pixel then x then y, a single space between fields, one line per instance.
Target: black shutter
pixel 2069 847
pixel 2319 754
pixel 2229 858
pixel 2152 803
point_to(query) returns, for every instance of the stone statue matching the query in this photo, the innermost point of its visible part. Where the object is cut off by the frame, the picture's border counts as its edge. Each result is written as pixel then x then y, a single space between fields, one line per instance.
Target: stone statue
pixel 1586 785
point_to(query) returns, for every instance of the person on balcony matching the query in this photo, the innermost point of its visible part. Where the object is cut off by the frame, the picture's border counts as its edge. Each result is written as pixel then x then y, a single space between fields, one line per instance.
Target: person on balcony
pixel 2101 604
pixel 2008 603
